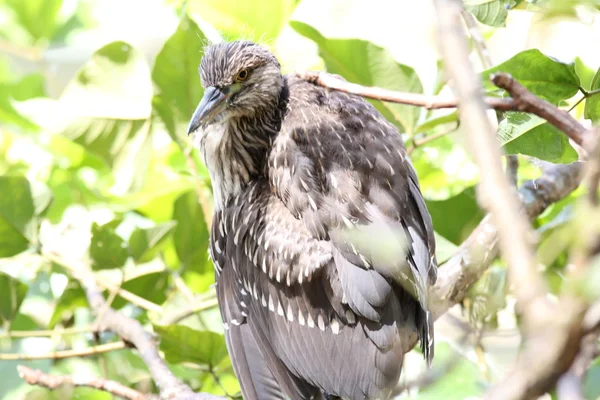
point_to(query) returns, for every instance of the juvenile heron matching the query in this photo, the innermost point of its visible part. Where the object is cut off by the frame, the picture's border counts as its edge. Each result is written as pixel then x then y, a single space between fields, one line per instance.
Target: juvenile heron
pixel 296 170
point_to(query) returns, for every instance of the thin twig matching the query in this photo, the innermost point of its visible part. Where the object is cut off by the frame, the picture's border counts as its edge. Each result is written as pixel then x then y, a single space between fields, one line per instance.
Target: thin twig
pixel 131 331
pixel 39 378
pixel 56 355
pixel 415 143
pixel 126 295
pixel 478 40
pixel 512 161
pixel 180 315
pixel 47 333
pixel 413 99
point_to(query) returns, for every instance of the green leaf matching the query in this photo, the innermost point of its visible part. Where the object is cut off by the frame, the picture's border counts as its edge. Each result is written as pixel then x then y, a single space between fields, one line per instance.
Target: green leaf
pixel 257 20
pixel 489 12
pixel 183 344
pixel 543 76
pixel 462 380
pixel 20 205
pixel 107 249
pixel 191 233
pixel 528 134
pixel 13 292
pixel 29 87
pixel 72 298
pixel 585 73
pixel 364 63
pixel 144 243
pixel 444 249
pixel 38 17
pixel 435 122
pixel 176 75
pixel 592 103
pixel 455 217
pixel 591 381
pixel 151 286
pixel 115 84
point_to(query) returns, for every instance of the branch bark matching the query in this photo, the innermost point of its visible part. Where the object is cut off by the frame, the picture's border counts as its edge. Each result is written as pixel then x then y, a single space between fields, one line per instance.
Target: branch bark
pixel 132 331
pixel 39 378
pixel 526 101
pixel 412 99
pixel 495 190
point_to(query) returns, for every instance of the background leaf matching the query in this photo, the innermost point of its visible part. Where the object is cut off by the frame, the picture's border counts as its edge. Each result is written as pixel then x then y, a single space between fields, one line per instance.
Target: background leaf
pixel 191 234
pixel 176 75
pixel 364 63
pixel 489 12
pixel 13 293
pixel 530 135
pixel 257 20
pixel 183 344
pixel 592 103
pixel 545 77
pixel 107 249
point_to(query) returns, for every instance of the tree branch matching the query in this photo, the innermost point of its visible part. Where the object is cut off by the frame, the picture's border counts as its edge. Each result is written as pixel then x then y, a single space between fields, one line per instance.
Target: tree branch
pixel 477 252
pixel 55 355
pixel 494 191
pixel 413 99
pixel 132 331
pixel 39 378
pixel 526 101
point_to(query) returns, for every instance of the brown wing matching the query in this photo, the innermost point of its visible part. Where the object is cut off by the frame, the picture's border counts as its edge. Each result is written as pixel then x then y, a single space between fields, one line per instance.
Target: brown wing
pixel 340 167
pixel 281 282
pixel 324 315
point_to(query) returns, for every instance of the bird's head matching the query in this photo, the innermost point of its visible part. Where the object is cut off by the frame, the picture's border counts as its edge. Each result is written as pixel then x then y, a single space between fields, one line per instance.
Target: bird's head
pixel 240 79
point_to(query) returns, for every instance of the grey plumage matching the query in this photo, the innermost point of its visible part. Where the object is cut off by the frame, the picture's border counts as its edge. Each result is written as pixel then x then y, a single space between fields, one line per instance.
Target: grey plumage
pixel 294 168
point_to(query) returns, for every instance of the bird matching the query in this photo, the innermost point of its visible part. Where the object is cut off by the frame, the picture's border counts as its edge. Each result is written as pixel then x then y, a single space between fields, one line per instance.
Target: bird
pixel 307 182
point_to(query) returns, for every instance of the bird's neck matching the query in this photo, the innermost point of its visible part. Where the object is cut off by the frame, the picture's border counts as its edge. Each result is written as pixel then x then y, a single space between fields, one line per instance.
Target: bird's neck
pixel 236 150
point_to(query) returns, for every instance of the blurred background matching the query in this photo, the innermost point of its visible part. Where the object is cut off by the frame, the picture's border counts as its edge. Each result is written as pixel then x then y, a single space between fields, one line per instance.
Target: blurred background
pixel 95 97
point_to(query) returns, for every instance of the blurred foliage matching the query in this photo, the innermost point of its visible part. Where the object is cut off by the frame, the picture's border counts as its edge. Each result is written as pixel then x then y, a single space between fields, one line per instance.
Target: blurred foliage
pixel 104 172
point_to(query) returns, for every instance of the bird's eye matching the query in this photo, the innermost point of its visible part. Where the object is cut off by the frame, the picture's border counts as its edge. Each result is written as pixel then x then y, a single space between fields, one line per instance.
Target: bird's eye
pixel 242 75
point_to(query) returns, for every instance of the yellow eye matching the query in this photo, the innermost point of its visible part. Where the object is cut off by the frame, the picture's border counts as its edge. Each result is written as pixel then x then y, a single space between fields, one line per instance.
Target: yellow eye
pixel 242 75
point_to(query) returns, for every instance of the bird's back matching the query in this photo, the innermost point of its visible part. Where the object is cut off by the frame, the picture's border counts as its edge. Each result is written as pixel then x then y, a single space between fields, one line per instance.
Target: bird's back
pixel 301 282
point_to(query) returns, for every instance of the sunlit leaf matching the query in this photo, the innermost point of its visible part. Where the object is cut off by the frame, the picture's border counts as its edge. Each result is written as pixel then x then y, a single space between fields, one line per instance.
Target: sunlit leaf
pixel 258 20
pixel 592 103
pixel 20 205
pixel 176 75
pixel 585 73
pixel 456 217
pixel 591 381
pixel 462 380
pixel 364 63
pixel 72 298
pixel 191 233
pixel 144 242
pixel 107 249
pixel 531 135
pixel 29 87
pixel 151 287
pixel 115 83
pixel 543 76
pixel 437 121
pixel 444 249
pixel 489 12
pixel 181 343
pixel 38 17
pixel 13 292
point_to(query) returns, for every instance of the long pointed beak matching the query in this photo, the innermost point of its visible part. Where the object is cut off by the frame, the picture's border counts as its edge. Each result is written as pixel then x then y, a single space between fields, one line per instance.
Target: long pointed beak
pixel 211 103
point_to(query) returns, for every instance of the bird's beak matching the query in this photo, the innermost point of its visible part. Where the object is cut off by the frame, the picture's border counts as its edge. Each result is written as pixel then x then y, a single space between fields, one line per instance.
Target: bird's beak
pixel 212 103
